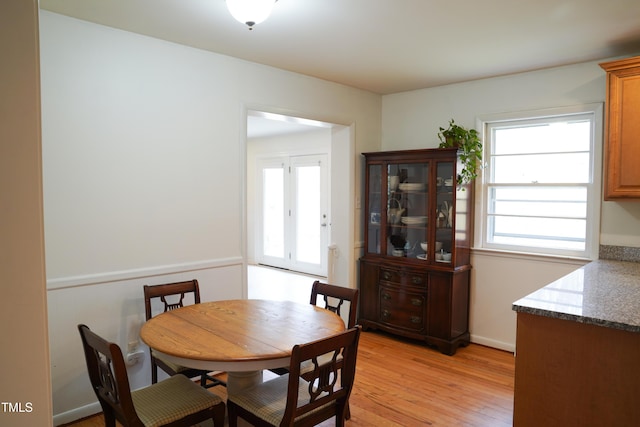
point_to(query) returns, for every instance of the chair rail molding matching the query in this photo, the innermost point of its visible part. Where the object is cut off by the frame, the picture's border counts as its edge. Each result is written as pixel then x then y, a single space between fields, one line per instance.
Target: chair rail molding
pixel 115 276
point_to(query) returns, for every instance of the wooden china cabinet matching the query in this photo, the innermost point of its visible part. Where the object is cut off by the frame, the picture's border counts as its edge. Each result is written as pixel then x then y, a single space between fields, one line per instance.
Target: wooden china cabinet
pixel 414 275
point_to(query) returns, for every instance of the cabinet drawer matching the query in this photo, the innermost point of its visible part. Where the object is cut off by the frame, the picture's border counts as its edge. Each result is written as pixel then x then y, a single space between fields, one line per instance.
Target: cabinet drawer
pixel 403 277
pixel 402 309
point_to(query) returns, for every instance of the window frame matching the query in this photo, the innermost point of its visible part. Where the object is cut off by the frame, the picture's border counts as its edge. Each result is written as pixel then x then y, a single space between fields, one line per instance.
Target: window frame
pixel 594 186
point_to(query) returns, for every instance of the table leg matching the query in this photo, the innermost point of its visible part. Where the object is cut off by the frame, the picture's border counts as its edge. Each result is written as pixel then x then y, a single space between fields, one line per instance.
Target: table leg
pixel 238 381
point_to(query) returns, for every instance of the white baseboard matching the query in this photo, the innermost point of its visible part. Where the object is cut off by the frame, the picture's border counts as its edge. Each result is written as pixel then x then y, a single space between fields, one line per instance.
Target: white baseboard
pixel 500 345
pixel 77 414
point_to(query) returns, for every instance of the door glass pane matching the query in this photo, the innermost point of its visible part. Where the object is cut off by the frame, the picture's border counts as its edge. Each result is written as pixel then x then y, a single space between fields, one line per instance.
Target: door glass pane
pixel 273 226
pixel 407 209
pixel 444 219
pixel 308 214
pixel 374 209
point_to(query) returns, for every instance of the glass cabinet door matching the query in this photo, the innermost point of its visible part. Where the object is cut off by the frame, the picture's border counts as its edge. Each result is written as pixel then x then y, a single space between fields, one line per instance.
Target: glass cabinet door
pixel 444 212
pixel 415 213
pixel 374 209
pixel 407 216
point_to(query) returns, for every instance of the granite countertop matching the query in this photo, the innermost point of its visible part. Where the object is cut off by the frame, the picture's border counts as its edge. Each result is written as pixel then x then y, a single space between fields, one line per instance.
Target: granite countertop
pixel 604 293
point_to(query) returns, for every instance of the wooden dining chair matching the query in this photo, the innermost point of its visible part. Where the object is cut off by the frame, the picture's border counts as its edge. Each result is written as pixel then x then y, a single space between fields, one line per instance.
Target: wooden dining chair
pixel 332 298
pixel 296 399
pixel 172 296
pixel 176 401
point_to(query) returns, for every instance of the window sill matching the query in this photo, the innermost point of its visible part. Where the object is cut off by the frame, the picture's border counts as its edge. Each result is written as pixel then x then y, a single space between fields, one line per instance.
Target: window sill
pixel 529 256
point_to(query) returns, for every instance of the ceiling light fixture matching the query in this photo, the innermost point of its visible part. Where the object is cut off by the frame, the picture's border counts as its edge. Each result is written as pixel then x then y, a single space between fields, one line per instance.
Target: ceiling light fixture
pixel 250 12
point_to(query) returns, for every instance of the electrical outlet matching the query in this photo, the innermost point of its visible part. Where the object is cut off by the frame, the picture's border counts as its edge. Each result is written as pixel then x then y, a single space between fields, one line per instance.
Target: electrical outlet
pixel 133 357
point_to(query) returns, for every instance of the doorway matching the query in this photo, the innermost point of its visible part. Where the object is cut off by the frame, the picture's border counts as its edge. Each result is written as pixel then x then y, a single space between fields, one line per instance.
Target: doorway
pixel 272 136
pixel 292 210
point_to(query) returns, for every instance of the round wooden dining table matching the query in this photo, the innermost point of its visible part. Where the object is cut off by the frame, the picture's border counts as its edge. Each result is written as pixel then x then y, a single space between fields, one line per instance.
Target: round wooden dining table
pixel 241 337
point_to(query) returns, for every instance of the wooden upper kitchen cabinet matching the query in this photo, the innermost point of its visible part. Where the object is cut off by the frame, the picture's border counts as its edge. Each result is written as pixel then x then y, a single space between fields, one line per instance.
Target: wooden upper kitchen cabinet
pixel 622 130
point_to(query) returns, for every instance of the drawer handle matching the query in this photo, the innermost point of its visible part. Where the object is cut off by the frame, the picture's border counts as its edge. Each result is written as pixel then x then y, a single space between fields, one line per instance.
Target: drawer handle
pixel 416 301
pixel 417 280
pixel 385 314
pixel 387 275
pixel 416 319
pixel 386 296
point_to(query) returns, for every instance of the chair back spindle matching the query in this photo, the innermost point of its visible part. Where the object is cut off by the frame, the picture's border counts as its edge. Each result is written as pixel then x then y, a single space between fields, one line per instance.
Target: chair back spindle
pixel 334 297
pixel 172 306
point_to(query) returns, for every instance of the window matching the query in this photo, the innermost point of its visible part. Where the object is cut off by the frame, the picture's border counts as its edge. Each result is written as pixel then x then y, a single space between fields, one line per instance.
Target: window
pixel 541 182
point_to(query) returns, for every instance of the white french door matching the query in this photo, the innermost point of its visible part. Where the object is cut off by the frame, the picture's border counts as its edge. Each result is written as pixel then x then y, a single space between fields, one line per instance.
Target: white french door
pixel 293 219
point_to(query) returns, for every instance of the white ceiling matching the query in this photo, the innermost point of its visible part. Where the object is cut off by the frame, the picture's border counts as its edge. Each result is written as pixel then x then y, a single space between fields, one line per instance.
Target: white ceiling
pixel 387 46
pixel 261 124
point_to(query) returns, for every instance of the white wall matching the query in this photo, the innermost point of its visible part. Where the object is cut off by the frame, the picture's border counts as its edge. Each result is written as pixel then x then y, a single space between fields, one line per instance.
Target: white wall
pixel 412 119
pixel 24 372
pixel 144 171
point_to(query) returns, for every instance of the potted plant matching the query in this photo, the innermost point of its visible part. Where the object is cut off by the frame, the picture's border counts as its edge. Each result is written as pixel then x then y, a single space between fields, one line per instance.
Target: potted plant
pixel 469 146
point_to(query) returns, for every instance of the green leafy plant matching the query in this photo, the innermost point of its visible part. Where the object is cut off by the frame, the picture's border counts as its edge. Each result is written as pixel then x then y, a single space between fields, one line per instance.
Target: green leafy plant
pixel 469 146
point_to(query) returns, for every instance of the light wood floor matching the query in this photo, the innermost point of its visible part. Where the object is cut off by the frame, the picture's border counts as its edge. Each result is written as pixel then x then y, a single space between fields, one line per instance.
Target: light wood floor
pixel 403 383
